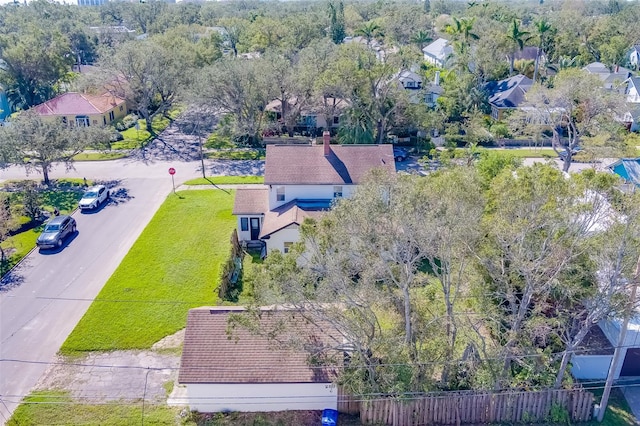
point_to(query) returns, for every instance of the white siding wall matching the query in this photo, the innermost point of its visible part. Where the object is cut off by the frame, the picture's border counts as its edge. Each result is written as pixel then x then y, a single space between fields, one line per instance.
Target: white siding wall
pixel 246 235
pixel 289 234
pixel 633 96
pixel 306 192
pixel 209 398
pixel 590 366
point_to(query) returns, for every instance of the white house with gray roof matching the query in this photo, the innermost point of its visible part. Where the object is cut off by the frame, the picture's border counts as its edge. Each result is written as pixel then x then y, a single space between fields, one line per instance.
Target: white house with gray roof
pixel 438 52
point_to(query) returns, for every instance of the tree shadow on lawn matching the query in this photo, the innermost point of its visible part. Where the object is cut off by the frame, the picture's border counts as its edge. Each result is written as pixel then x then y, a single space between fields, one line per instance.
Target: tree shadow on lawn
pixel 13 278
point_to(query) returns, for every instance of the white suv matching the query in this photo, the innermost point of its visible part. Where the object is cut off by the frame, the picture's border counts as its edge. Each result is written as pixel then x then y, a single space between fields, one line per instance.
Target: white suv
pixel 94 197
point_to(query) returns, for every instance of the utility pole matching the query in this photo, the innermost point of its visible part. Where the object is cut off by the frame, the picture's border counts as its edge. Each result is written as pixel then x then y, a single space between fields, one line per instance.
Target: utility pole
pixel 618 350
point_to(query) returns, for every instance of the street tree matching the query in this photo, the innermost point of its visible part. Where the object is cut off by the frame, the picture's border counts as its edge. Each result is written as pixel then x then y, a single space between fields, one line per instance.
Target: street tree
pixel 337 30
pixel 37 143
pixel 242 89
pixel 147 74
pixel 574 108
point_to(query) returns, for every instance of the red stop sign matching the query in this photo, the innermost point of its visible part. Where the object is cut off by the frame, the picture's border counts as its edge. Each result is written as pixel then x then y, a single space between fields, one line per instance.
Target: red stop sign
pixel 172 171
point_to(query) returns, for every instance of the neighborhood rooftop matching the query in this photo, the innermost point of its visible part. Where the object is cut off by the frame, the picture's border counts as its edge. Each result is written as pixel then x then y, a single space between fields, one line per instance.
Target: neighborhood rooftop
pixel 307 164
pixel 73 103
pixel 215 352
pixel 251 201
pixel 294 212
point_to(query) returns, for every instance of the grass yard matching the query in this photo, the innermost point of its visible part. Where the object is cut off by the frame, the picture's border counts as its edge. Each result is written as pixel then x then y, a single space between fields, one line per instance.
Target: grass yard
pixel 618 410
pixel 57 408
pixel 138 138
pixel 528 152
pixel 99 156
pixel 225 180
pixel 172 267
pixel 236 154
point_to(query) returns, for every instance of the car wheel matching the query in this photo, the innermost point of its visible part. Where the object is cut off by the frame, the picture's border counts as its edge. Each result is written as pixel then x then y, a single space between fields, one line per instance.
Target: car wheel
pixel 108 195
pixel 59 243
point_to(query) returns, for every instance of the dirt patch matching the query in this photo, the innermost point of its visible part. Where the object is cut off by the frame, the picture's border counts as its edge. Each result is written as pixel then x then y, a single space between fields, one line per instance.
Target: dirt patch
pixel 119 375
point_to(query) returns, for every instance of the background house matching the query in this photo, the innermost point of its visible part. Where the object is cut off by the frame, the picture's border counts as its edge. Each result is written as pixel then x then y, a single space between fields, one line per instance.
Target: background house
pixel 83 109
pixel 303 181
pixel 507 94
pixel 633 56
pixel 437 52
pixel 612 79
pixel 593 361
pixel 225 368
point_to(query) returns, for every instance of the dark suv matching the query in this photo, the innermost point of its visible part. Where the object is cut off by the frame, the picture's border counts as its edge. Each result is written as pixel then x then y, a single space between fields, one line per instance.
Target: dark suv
pixel 55 231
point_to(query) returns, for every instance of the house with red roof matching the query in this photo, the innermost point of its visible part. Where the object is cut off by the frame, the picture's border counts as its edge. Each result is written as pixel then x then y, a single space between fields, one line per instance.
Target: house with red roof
pixel 84 109
pixel 303 181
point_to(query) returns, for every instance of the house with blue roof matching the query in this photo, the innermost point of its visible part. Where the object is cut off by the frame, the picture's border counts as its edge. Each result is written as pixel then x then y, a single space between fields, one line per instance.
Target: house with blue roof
pixel 507 94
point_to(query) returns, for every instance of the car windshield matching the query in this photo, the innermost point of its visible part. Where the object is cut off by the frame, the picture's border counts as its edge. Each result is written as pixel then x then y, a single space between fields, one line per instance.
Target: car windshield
pixel 52 227
pixel 91 194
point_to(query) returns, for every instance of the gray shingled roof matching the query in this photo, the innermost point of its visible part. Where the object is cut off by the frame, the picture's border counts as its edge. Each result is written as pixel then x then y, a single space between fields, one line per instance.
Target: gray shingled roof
pixel 293 212
pixel 251 201
pixel 509 93
pixel 214 352
pixel 307 165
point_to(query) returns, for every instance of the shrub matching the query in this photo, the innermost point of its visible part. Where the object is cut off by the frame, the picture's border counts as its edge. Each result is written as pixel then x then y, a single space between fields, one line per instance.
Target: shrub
pixel 127 122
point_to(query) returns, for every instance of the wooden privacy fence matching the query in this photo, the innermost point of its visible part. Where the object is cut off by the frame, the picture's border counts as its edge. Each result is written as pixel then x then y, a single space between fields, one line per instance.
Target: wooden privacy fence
pixel 473 408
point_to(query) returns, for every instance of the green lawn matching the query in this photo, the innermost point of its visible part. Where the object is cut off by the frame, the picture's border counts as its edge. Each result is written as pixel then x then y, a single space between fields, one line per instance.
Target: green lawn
pixel 57 408
pixel 137 138
pixel 618 411
pixel 172 267
pixel 225 180
pixel 99 156
pixel 529 152
pixel 236 154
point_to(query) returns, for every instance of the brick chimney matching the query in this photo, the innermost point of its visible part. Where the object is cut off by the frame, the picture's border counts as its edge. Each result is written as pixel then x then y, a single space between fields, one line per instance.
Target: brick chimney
pixel 326 140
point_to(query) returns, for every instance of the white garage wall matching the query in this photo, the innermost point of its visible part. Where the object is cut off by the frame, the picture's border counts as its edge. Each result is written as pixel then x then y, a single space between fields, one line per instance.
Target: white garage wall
pixel 590 366
pixel 209 398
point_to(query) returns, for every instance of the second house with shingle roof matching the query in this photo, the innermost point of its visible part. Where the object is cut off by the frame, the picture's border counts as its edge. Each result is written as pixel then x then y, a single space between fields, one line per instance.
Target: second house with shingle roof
pixel 303 181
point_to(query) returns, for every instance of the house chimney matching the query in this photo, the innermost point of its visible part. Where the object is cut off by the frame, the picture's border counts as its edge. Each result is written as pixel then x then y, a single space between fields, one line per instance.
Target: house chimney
pixel 436 79
pixel 326 140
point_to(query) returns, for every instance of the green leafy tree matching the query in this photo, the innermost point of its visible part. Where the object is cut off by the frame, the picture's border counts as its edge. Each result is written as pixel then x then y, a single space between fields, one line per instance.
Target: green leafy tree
pixel 370 31
pixel 337 30
pixel 33 62
pixel 37 143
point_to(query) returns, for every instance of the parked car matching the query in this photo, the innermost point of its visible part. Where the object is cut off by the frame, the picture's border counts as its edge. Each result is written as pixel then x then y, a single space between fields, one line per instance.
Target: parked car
pixel 575 151
pixel 94 197
pixel 55 231
pixel 400 154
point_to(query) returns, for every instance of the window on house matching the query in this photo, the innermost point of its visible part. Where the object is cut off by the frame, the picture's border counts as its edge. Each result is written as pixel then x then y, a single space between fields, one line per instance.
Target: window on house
pixel 120 107
pixel 112 116
pixel 244 223
pixel 287 246
pixel 337 191
pixel 104 120
pixel 336 120
pixel 64 120
pixel 82 121
pixel 280 193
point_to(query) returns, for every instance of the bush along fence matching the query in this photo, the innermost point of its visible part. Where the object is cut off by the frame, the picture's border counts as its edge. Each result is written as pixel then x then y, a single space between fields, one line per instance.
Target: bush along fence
pixel 549 406
pixel 230 276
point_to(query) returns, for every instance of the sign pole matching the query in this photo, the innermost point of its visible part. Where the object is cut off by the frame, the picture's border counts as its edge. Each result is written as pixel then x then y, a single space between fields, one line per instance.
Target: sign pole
pixel 172 172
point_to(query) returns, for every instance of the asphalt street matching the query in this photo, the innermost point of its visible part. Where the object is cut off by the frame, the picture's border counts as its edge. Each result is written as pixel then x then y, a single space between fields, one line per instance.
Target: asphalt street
pixel 42 300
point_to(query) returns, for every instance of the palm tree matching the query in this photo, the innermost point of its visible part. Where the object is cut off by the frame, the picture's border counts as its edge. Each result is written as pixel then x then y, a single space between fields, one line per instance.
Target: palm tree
pixel 370 30
pixel 462 29
pixel 519 39
pixel 542 27
pixel 421 38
